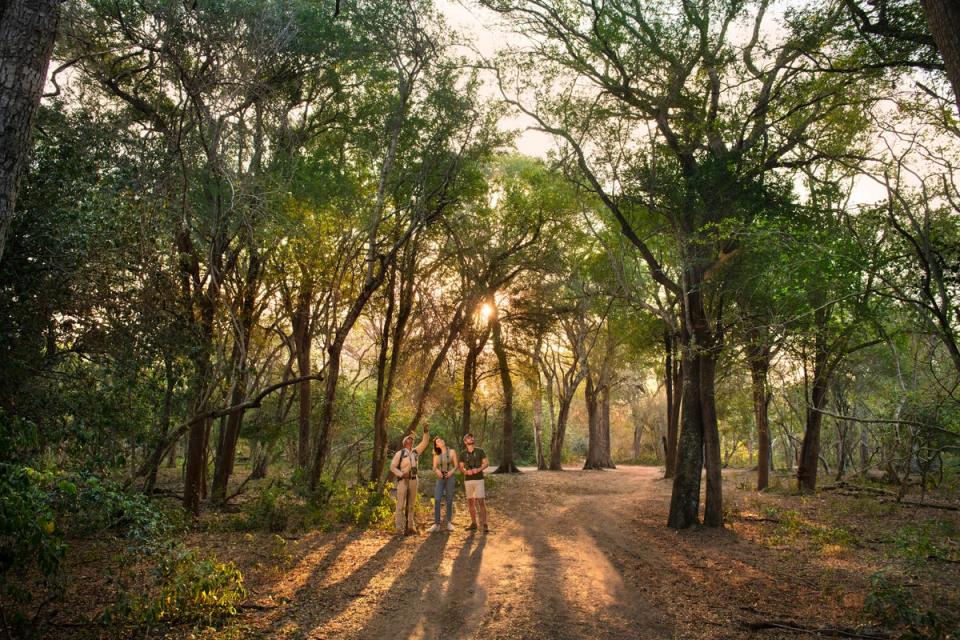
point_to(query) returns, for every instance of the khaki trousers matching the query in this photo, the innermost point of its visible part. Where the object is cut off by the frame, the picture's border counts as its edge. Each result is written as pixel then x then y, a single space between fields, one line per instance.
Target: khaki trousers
pixel 406 494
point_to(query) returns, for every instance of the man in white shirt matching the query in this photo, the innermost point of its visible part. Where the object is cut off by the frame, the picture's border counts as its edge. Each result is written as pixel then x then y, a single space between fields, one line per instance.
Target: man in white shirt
pixel 404 468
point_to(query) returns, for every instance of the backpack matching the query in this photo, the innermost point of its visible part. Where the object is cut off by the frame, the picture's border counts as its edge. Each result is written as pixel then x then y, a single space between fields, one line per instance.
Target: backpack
pixel 413 463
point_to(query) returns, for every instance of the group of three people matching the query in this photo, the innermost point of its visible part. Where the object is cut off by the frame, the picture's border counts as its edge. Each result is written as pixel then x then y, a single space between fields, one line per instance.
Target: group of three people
pixel 446 463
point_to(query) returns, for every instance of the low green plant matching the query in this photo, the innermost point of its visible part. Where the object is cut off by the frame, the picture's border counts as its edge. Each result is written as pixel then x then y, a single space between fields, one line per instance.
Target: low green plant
pixel 269 511
pixel 893 605
pixel 930 540
pixel 363 505
pixel 188 589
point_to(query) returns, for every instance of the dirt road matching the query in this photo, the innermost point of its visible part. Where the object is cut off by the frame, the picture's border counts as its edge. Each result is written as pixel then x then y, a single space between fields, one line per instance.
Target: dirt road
pixel 571 554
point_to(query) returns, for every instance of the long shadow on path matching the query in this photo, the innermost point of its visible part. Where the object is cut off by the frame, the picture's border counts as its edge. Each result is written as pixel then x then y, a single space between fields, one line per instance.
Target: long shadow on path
pixel 399 612
pixel 317 605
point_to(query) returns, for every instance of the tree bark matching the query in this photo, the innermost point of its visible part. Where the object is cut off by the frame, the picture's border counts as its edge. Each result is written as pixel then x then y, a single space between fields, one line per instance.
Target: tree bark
pixel 758 356
pixel 27 32
pixel 943 19
pixel 674 385
pixel 559 432
pixel 507 464
pixel 591 400
pixel 303 343
pixel 810 449
pixel 606 457
pixel 699 438
pixel 474 348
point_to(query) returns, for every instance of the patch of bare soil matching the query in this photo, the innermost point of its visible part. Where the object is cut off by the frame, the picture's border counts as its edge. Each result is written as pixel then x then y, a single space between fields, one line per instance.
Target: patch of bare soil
pixel 582 554
pixel 573 554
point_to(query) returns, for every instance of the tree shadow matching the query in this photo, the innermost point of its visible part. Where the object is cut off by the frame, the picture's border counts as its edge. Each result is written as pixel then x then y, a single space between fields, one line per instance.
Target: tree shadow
pixel 461 588
pixel 400 610
pixel 308 618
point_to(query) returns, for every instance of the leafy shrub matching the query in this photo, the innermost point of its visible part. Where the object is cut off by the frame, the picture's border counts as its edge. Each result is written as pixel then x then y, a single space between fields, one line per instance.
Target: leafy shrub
pixel 929 540
pixel 892 605
pixel 268 512
pixel 364 505
pixel 187 589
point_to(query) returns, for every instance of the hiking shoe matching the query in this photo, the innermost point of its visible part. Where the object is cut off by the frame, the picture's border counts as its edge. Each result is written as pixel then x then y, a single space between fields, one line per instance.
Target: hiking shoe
pixel 486 529
pixel 449 526
pixel 472 527
pixel 435 527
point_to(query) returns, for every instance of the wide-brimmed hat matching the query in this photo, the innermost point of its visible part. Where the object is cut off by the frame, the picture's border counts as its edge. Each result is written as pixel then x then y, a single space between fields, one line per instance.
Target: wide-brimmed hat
pixel 409 437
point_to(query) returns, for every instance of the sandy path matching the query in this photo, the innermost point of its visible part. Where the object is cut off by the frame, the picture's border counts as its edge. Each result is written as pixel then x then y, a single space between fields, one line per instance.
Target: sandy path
pixel 558 563
pixel 577 554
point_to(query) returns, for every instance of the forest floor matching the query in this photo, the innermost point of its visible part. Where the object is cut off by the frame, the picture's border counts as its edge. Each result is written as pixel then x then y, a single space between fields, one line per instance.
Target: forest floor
pixel 586 554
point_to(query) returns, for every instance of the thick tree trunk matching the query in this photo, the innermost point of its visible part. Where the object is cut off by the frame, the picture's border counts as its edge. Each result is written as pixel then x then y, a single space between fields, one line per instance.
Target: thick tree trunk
pixel 674 384
pixel 303 343
pixel 559 432
pixel 943 19
pixel 27 31
pixel 591 400
pixel 507 464
pixel 699 438
pixel 685 498
pixel 758 355
pixel 810 449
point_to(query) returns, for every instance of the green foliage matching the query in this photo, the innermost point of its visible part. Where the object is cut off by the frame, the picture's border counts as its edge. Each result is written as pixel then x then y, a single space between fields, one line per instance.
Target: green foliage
pixel 187 589
pixel 930 540
pixel 892 604
pixel 364 505
pixel 269 511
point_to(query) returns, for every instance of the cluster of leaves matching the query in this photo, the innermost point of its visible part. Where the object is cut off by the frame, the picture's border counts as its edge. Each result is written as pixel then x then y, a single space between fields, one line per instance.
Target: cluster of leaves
pixel 931 540
pixel 187 589
pixel 893 605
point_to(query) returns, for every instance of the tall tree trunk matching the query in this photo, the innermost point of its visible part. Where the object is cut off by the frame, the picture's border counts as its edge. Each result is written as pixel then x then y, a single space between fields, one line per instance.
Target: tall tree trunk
pixel 943 19
pixel 810 449
pixel 380 405
pixel 456 326
pixel 227 447
pixel 673 382
pixel 606 456
pixel 538 418
pixel 699 438
pixel 507 464
pixel 303 343
pixel 559 432
pixel 758 356
pixel 551 408
pixel 685 498
pixel 27 31
pixel 591 400
pixel 474 349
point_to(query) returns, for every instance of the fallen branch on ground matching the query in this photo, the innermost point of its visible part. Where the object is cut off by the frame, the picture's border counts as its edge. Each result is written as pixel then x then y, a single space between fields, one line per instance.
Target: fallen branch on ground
pixel 836 632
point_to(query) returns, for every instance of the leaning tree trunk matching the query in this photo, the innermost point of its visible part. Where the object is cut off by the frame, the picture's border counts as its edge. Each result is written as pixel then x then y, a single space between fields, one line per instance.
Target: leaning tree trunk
pixel 27 31
pixel 507 464
pixel 943 19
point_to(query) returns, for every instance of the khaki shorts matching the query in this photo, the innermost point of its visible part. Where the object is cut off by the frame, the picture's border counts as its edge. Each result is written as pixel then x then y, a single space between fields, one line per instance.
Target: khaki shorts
pixel 474 489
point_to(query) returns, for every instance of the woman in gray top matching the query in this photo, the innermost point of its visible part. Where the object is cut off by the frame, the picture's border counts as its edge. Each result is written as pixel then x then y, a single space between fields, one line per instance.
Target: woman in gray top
pixel 445 465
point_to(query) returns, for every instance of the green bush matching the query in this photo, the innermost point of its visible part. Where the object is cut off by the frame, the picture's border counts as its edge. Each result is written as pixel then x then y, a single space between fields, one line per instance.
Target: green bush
pixel 893 605
pixel 187 589
pixel 929 540
pixel 364 505
pixel 268 512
